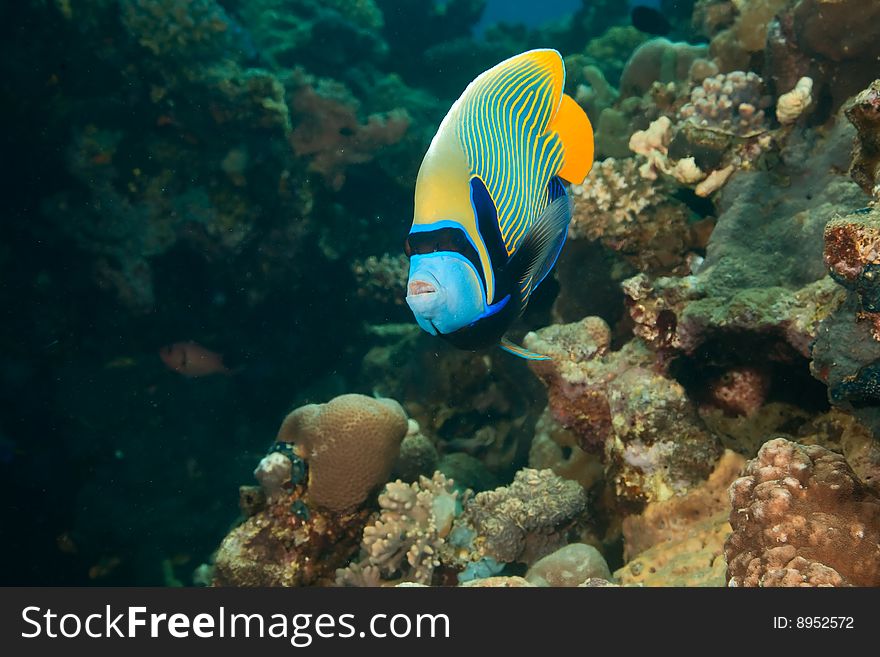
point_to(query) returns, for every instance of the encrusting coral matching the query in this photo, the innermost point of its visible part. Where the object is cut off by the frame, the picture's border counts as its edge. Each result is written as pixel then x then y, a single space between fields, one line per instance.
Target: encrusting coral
pixel 521 522
pixel 847 346
pixel 864 113
pixel 653 443
pixel 801 517
pixel 673 519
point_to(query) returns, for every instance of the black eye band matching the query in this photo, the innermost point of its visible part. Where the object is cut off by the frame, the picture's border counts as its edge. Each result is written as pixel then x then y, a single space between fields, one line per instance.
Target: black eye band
pixel 443 240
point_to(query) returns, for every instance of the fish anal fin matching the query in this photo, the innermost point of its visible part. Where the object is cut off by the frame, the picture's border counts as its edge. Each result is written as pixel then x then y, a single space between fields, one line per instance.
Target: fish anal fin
pixel 576 132
pixel 521 352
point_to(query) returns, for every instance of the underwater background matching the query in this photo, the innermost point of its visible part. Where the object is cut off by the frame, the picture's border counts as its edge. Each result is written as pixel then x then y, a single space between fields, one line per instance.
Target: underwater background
pixel 204 210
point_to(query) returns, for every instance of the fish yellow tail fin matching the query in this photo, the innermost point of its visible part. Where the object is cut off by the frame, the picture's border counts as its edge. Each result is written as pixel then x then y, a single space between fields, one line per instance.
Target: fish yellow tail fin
pixel 576 133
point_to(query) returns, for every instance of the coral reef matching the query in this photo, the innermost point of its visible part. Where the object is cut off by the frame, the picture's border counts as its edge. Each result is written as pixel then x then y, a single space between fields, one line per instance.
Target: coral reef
pixel 349 444
pixel 211 172
pixel 743 286
pixel 833 43
pixel 521 522
pixel 673 520
pixel 631 215
pixel 695 560
pixel 658 60
pixel 801 517
pixel 654 444
pixel 847 346
pixel 303 523
pixel 556 448
pixel 745 25
pixel 278 547
pixel 382 278
pixel 864 113
pixel 720 129
pixel 473 403
pixel 418 455
pixel 680 541
pixel 405 540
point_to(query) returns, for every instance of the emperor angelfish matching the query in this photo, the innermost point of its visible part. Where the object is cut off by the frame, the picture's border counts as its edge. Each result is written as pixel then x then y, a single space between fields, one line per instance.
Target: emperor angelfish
pixel 491 210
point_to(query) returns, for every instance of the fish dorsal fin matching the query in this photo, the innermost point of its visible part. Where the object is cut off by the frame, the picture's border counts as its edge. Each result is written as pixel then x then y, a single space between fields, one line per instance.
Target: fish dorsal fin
pixel 541 246
pixel 576 133
pixel 503 120
pixel 522 352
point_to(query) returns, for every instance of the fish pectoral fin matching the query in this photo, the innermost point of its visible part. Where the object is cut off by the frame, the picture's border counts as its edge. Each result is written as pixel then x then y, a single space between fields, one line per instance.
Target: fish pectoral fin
pixel 522 352
pixel 540 247
pixel 576 133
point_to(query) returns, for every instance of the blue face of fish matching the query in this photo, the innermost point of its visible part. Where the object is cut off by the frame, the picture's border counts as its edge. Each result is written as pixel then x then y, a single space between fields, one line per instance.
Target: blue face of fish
pixel 444 292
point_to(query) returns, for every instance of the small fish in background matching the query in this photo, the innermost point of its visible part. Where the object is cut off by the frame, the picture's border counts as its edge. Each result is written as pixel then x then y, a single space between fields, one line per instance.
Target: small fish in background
pixel 65 543
pixel 491 210
pixel 647 16
pixel 104 567
pixel 192 360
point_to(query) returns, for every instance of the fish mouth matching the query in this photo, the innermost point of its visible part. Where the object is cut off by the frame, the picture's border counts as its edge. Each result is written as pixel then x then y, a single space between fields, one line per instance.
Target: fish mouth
pixel 419 288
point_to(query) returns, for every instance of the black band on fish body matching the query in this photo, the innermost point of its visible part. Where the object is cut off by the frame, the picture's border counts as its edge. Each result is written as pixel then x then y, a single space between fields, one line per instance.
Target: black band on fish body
pixel 450 240
pixel 487 223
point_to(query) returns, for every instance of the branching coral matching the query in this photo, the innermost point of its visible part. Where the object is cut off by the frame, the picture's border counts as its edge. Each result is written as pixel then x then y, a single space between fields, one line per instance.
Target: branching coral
pixel 730 103
pixel 720 129
pixel 405 540
pixel 801 517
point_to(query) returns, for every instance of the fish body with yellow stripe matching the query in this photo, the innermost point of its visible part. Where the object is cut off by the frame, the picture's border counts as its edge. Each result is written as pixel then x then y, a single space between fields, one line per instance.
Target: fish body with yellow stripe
pixel 491 209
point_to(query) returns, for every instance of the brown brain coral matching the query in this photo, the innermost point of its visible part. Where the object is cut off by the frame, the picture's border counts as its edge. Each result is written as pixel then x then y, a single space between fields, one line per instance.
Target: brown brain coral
pixel 350 445
pixel 801 517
